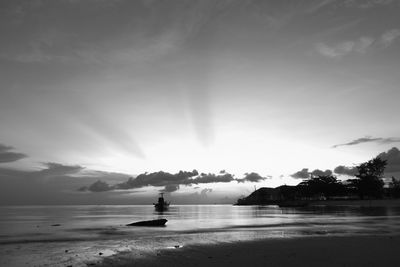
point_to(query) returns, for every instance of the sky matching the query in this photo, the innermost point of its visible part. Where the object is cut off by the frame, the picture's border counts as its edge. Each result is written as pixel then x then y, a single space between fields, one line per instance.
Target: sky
pixel 246 93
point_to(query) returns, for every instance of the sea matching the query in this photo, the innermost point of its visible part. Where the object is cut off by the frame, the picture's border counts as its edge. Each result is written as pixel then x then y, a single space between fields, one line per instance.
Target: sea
pixel 82 235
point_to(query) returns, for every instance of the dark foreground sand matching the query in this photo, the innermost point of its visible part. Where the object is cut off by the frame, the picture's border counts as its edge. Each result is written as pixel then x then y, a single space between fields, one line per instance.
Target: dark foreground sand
pixel 305 251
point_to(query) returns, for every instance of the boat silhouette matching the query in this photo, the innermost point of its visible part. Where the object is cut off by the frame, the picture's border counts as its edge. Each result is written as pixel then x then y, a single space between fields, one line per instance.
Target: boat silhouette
pixel 161 205
pixel 158 222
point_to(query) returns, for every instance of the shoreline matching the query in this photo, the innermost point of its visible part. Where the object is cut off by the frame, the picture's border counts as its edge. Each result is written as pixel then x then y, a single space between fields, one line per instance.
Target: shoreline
pixel 345 202
pixel 371 250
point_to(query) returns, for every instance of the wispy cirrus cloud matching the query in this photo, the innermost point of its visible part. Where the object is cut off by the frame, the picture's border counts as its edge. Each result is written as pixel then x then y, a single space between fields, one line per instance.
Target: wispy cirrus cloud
pixel 369 139
pixel 359 45
pixel 364 4
pixel 108 42
pixel 316 6
pixel 389 37
pixel 341 49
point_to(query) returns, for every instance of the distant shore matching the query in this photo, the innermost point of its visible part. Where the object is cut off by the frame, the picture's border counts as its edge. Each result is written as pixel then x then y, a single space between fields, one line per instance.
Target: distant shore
pixel 305 251
pixel 345 202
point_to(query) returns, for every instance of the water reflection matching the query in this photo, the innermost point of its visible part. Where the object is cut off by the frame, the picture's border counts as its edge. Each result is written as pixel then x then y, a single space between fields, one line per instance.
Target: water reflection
pixel 93 222
pixel 89 229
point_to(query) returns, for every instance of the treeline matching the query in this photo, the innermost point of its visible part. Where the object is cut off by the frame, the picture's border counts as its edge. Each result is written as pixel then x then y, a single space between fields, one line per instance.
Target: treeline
pixel 367 184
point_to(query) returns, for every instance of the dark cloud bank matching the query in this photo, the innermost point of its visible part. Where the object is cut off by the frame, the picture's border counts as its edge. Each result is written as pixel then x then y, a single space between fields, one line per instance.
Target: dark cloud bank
pixel 53 184
pixel 351 171
pixel 172 182
pixel 8 156
pixel 392 157
pixel 305 174
pixel 57 183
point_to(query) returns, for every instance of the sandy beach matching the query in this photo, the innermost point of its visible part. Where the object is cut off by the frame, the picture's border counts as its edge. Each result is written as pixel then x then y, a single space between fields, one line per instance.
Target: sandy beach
pixel 306 251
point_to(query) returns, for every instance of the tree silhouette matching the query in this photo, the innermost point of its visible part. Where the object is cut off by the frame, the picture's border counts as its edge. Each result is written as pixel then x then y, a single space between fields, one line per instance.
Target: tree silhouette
pixel 394 188
pixel 369 183
pixel 321 185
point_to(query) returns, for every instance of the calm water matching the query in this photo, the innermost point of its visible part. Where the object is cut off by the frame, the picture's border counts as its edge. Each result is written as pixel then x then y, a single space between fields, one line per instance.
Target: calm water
pixel 65 235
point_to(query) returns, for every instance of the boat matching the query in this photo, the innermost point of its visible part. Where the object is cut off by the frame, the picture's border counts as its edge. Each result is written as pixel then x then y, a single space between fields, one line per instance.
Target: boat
pixel 161 205
pixel 158 222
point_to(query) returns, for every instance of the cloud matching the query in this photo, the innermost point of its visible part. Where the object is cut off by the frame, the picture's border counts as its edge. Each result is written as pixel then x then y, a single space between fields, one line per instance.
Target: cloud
pixel 358 46
pixel 251 177
pixel 61 174
pixel 389 37
pixel 351 171
pixel 108 41
pixel 341 49
pixel 303 174
pixel 318 172
pixel 56 183
pixel 367 139
pixel 157 179
pixel 205 191
pixel 170 188
pixel 99 186
pixel 200 197
pixel 8 156
pixel 318 5
pixel 171 182
pixel 57 169
pixel 364 4
pixel 392 156
pixel 362 44
pixel 212 178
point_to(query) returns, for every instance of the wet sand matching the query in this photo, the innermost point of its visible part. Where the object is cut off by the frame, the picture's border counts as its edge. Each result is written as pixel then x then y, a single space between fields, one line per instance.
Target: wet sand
pixel 305 251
